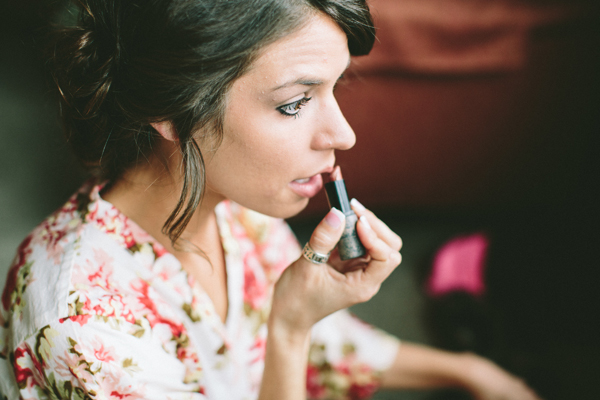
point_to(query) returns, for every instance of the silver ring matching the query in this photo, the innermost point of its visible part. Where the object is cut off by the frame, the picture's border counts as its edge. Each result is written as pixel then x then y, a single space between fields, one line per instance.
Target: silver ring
pixel 313 256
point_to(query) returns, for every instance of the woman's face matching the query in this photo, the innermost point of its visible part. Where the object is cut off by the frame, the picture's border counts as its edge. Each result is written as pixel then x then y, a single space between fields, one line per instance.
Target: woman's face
pixel 282 123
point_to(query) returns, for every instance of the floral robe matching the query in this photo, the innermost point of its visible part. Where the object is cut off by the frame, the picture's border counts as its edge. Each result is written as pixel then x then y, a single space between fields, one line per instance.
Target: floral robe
pixel 95 308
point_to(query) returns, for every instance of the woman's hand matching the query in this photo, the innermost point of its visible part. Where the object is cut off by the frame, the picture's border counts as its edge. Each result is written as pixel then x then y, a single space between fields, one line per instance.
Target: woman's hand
pixel 307 292
pixel 487 381
pixel 382 230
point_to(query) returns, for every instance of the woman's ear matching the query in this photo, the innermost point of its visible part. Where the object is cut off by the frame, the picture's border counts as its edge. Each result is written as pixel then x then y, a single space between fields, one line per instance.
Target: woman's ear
pixel 165 128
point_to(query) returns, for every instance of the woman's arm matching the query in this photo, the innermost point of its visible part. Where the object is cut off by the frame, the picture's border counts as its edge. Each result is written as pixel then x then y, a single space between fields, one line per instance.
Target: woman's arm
pixel 284 376
pixel 307 292
pixel 420 367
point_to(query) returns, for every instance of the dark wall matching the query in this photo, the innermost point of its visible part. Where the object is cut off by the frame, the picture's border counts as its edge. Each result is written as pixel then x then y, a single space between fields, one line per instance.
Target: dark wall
pixel 37 171
pixel 472 105
pixel 488 113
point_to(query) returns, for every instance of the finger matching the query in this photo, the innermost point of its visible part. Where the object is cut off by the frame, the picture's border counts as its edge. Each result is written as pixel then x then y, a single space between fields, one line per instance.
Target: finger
pixel 382 230
pixel 328 232
pixel 384 259
pixel 345 266
pixel 376 248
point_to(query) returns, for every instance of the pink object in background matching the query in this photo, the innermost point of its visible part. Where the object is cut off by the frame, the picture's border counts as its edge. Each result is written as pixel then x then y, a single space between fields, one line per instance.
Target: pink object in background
pixel 459 266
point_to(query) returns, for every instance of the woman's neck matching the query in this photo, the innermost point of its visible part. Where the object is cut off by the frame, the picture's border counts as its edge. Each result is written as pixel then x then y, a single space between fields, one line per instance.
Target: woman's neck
pixel 147 194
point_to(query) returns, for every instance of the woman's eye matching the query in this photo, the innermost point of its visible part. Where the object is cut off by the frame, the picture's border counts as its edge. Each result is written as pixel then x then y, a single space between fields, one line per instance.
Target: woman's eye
pixel 292 109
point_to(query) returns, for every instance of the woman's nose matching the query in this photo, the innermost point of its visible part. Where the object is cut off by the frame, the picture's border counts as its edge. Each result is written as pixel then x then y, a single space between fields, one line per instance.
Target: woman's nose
pixel 334 132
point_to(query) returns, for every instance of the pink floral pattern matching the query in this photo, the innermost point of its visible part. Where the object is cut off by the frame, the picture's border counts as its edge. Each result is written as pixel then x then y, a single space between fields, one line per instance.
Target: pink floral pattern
pixel 95 308
pixel 348 378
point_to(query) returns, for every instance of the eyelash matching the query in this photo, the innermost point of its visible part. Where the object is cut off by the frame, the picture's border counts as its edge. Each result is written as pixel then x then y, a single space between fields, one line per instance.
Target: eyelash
pixel 293 109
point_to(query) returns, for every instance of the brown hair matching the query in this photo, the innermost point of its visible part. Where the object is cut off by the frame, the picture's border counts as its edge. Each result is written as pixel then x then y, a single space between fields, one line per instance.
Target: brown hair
pixel 129 63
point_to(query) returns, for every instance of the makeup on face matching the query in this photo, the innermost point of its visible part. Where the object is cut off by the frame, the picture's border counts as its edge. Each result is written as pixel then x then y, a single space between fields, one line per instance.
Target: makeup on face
pixel 349 246
pixel 276 147
pixel 307 187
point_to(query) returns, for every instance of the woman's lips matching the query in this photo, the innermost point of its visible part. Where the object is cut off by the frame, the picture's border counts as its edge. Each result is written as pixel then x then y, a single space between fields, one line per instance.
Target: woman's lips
pixel 307 187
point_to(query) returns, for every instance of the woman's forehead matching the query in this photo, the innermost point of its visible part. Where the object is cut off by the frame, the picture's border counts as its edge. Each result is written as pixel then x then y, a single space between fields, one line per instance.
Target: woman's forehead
pixel 315 53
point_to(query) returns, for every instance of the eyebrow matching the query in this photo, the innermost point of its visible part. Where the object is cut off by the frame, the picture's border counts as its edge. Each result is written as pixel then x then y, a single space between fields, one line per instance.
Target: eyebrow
pixel 301 81
pixel 304 81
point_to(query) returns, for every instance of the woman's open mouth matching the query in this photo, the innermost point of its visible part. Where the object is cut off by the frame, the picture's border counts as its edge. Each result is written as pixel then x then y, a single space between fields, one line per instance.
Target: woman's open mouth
pixel 307 187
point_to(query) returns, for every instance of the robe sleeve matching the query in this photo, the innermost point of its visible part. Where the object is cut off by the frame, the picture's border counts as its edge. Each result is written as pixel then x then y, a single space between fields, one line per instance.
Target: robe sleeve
pixel 347 357
pixel 92 357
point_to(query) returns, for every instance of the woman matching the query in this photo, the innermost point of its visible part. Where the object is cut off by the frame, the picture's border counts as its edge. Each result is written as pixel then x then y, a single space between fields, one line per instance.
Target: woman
pixel 156 280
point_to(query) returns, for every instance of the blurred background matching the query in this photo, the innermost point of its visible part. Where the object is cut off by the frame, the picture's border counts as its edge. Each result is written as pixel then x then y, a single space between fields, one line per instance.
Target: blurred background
pixel 478 142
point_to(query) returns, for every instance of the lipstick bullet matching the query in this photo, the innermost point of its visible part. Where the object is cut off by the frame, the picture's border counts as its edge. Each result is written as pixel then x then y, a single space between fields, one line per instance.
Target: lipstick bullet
pixel 349 245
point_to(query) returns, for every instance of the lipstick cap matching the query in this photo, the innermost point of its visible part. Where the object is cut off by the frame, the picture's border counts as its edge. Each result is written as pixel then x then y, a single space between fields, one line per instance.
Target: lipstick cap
pixel 337 196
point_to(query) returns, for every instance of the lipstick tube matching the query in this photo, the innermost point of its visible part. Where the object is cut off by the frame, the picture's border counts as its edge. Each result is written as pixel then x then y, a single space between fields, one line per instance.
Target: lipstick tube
pixel 349 245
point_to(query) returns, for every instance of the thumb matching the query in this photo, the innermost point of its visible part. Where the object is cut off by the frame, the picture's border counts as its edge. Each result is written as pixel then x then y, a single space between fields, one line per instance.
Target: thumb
pixel 328 232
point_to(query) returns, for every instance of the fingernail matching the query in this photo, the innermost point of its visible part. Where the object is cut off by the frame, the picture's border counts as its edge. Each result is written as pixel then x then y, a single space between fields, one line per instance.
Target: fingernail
pixel 396 255
pixel 334 218
pixel 363 219
pixel 357 205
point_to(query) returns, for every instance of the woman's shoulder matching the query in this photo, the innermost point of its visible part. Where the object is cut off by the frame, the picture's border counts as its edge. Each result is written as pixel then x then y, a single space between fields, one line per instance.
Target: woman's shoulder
pixel 36 279
pixel 67 262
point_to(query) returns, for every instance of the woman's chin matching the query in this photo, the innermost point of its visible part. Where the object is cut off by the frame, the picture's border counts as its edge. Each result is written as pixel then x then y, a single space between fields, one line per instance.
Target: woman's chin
pixel 301 206
pixel 283 211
